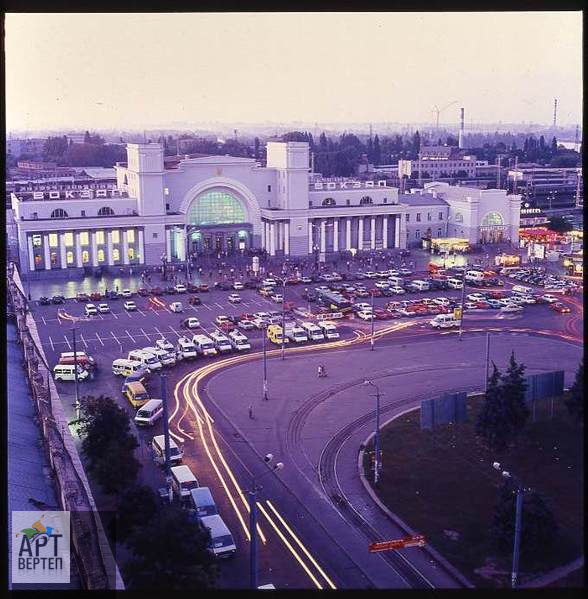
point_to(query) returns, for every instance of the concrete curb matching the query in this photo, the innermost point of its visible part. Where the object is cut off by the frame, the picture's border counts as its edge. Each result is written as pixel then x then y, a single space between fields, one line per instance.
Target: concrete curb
pixel 400 523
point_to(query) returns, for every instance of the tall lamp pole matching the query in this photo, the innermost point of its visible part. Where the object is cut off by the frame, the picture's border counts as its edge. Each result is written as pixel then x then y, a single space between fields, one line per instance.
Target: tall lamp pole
pixel 463 286
pixel 377 451
pixel 520 490
pixel 373 318
pixel 252 493
pixel 263 342
pixel 284 318
pixel 77 404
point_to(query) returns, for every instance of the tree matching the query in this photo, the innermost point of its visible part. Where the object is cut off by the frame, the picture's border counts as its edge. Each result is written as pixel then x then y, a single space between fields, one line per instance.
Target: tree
pixel 560 224
pixel 256 147
pixel 170 553
pixel 137 505
pixel 539 526
pixel 87 137
pixel 553 145
pixel 493 423
pixel 55 148
pixel 575 401
pixel 377 150
pixel 513 388
pixel 416 144
pixel 108 446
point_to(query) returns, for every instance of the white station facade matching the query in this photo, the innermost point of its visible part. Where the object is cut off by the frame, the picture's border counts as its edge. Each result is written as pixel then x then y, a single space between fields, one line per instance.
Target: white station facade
pixel 223 204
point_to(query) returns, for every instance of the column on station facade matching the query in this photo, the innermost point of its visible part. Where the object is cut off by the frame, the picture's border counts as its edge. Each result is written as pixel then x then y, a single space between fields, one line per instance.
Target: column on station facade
pixel 373 234
pixel 385 232
pixel 263 235
pixel 125 248
pixel 62 251
pixel 181 247
pixel 31 253
pixel 168 244
pixel 109 259
pixel 78 246
pixel 94 249
pixel 46 252
pixel 141 247
pixel 335 234
pixel 397 231
pixel 272 238
pixel 360 233
pixel 347 233
pixel 323 236
pixel 310 244
pixel 287 238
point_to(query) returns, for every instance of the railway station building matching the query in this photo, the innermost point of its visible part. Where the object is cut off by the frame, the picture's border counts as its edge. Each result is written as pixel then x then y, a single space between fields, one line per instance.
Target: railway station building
pixel 169 210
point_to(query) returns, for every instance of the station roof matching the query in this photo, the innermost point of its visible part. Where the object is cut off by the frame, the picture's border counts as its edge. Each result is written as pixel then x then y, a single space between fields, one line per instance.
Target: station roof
pixel 420 199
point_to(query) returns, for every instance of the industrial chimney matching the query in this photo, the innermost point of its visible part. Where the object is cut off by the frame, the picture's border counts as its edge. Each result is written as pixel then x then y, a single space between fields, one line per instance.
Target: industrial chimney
pixel 461 137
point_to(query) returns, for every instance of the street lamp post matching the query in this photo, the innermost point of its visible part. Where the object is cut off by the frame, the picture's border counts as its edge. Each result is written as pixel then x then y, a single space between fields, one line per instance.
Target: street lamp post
pixel 520 490
pixel 263 342
pixel 487 361
pixel 253 518
pixel 284 317
pixel 77 404
pixel 463 286
pixel 373 318
pixel 377 452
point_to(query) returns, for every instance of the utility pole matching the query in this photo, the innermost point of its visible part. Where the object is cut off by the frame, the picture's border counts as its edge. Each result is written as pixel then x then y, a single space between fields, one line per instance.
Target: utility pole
pixel 263 342
pixel 168 479
pixel 487 361
pixel 463 286
pixel 253 534
pixel 377 451
pixel 77 404
pixel 372 324
pixel 284 318
pixel 554 113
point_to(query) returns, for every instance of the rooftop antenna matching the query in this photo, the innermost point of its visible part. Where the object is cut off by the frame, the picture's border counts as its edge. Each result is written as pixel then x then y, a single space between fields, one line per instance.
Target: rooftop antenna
pixel 235 133
pixel 577 139
pixel 554 113
pixel 461 136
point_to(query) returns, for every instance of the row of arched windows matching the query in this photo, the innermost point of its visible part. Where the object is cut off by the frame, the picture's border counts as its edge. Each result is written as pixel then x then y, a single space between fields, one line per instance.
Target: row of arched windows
pixel 365 201
pixel 61 213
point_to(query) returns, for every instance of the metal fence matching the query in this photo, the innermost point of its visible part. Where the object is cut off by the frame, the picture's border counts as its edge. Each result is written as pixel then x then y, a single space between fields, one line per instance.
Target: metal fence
pixel 451 407
pixel 90 546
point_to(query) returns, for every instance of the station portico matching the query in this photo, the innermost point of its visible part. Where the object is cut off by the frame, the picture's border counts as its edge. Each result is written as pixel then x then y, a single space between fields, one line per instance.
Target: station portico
pixel 207 206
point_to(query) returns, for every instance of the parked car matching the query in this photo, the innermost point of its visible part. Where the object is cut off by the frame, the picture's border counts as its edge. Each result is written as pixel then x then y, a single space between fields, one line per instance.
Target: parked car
pixel 203 288
pixel 180 288
pixel 143 291
pixel 277 298
pixel 90 310
pixel 82 297
pixel 238 286
pixel 560 308
pixel 190 323
pixel 170 290
pixel 103 308
pixel 58 299
pixel 44 301
pixel 130 306
pixel 127 293
pixel 365 315
pixel 156 291
pixel 194 300
pixel 112 295
pixel 95 296
pixel 234 298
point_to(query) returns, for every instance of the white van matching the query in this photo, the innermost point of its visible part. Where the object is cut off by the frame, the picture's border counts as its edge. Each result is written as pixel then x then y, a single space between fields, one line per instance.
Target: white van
pixel 204 345
pixel 420 285
pixel 396 281
pixel 221 342
pixel 167 358
pixel 125 367
pixel 454 283
pixel 186 349
pixel 444 321
pixel 150 413
pixel 522 290
pixel 183 481
pixel 222 543
pixel 239 341
pixel 329 329
pixel 203 502
pixel 296 334
pixel 176 307
pixel 145 358
pixel 313 331
pixel 158 445
pixel 66 372
pixel 475 276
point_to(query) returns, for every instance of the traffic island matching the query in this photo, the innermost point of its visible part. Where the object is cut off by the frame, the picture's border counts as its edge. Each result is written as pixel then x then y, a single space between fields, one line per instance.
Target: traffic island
pixel 441 483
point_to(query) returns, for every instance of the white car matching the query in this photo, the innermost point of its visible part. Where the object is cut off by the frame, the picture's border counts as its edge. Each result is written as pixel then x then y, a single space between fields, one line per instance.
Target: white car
pixel 262 315
pixel 397 290
pixel 550 299
pixel 269 282
pixel 365 315
pixel 305 280
pixel 371 275
pixel 246 325
pixel 222 319
pixel 278 298
pixel 234 298
pixel 362 307
pixel 475 297
pixel 441 301
pixel 238 286
pixel 382 285
pixel 165 345
pixel 180 288
pixel 470 306
pixel 528 299
pixel 126 293
pixel 130 306
pixel 404 272
pixel 511 308
pixel 191 323
pixel 103 308
pixel 90 310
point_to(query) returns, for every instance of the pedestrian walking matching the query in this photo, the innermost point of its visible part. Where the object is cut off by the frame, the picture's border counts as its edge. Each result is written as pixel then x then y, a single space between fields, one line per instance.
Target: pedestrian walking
pixel 250 411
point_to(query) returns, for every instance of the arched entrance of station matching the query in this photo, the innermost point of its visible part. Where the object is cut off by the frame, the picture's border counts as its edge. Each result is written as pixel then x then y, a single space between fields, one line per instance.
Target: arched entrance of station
pixel 217 223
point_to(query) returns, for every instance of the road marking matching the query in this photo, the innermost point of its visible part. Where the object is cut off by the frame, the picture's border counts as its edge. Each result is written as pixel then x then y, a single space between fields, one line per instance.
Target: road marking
pixel 128 313
pixel 145 334
pixel 98 337
pixel 83 340
pixel 174 331
pixel 114 314
pixel 129 336
pixel 141 312
pixel 207 306
pixel 51 342
pixel 217 304
pixel 116 339
pixel 67 341
pixel 44 322
pixel 160 333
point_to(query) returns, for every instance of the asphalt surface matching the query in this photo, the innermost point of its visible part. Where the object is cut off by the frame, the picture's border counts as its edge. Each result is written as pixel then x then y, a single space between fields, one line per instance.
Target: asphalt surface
pixel 416 360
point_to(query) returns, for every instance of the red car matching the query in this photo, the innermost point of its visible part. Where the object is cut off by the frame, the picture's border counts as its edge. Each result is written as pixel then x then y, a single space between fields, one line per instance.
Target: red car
pixel 156 291
pixel 96 295
pixel 381 314
pixel 227 327
pixel 194 301
pixel 203 287
pixel 375 292
pixel 143 291
pixel 559 307
pixel 191 288
pixel 494 294
pixel 482 305
pixel 82 297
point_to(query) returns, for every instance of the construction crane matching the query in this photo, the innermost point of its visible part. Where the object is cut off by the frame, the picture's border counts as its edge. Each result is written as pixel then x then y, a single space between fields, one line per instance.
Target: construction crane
pixel 437 111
